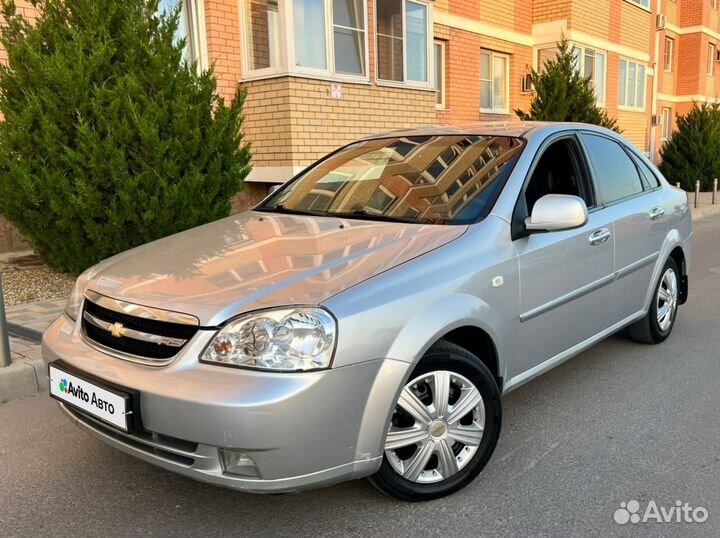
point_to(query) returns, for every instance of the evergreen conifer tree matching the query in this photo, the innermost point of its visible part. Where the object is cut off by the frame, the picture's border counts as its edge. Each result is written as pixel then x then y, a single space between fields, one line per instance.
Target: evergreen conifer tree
pixel 563 94
pixel 109 138
pixel 692 152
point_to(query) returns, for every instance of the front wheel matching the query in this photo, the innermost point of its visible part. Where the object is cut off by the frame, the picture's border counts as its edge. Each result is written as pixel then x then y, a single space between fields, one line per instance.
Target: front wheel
pixel 660 319
pixel 444 428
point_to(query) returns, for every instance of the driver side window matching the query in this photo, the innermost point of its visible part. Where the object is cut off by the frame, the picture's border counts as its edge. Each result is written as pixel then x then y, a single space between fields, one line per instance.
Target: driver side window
pixel 557 172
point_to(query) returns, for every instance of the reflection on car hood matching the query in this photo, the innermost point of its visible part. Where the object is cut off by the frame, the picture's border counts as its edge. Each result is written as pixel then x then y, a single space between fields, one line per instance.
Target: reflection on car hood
pixel 256 260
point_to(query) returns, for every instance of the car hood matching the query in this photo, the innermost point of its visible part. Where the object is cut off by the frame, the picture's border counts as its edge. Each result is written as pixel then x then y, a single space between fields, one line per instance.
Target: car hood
pixel 257 260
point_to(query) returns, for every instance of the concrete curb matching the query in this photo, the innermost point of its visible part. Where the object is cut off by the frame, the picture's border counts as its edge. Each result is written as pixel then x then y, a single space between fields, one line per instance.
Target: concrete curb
pixel 23 378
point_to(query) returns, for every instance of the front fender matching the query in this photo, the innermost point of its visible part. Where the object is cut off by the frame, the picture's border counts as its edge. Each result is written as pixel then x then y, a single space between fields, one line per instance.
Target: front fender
pixel 442 316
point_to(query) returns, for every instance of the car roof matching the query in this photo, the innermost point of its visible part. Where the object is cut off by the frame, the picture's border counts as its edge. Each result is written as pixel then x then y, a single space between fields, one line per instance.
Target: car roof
pixel 513 128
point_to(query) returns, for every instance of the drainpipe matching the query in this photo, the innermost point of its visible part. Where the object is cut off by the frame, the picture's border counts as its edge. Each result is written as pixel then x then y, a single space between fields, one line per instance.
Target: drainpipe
pixel 653 97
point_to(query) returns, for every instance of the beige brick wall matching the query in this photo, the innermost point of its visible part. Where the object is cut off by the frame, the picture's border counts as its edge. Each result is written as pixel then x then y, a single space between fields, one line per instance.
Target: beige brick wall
pixel 634 126
pixel 551 10
pixel 293 121
pixel 591 16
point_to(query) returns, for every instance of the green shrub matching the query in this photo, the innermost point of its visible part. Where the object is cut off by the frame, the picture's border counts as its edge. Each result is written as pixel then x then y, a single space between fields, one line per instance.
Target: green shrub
pixel 563 94
pixel 693 151
pixel 110 139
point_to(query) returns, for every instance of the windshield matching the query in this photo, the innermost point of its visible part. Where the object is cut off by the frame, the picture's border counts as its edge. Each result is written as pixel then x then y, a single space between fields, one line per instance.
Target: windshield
pixel 448 179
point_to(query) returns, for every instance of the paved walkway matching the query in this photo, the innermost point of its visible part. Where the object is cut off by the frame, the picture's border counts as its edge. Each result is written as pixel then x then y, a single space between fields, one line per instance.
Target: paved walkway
pixel 705 206
pixel 35 317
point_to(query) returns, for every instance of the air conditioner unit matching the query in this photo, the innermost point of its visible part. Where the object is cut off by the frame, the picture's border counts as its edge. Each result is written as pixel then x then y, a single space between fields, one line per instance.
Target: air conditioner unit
pixel 660 21
pixel 656 119
pixel 526 85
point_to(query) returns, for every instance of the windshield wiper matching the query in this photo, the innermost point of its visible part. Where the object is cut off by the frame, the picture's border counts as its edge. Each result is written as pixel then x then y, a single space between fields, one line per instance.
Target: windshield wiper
pixel 365 215
pixel 289 211
pixel 359 214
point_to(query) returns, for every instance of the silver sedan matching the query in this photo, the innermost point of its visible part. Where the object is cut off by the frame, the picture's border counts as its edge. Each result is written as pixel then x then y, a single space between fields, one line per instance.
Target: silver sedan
pixel 367 317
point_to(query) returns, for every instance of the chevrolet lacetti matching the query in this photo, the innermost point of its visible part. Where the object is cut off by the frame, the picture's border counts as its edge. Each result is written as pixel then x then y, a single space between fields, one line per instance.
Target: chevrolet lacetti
pixel 365 319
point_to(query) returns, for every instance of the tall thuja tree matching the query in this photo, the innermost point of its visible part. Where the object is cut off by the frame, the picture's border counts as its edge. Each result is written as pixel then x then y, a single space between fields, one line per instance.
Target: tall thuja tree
pixel 110 139
pixel 692 152
pixel 563 94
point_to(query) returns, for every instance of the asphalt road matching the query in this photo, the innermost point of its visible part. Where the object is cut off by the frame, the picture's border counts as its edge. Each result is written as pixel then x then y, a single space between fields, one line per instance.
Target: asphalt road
pixel 621 422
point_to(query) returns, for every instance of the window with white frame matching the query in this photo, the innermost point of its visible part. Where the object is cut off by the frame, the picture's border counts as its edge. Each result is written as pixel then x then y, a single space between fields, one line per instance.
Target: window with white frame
pixel 191 28
pixel 336 47
pixel 666 123
pixel 494 81
pixel 711 59
pixel 403 51
pixel 668 57
pixel 439 50
pixel 631 93
pixel 325 37
pixel 643 3
pixel 546 55
pixel 590 63
pixel 262 22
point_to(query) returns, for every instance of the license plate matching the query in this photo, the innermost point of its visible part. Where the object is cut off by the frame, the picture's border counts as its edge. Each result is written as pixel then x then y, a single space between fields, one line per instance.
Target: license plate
pixel 104 403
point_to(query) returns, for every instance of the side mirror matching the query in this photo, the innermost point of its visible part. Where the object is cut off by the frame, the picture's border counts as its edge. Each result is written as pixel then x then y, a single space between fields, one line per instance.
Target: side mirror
pixel 273 188
pixel 555 212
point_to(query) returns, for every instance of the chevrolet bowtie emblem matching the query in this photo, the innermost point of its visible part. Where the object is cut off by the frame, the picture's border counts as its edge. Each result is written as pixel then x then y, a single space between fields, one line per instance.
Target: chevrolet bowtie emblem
pixel 117 330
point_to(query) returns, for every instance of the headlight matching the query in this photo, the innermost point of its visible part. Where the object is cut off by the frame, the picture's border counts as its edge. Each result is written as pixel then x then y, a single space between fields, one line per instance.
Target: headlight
pixel 74 304
pixel 285 339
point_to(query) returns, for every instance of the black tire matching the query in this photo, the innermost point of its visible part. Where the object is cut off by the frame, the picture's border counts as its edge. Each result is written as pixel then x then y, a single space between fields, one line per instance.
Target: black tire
pixel 648 330
pixel 447 356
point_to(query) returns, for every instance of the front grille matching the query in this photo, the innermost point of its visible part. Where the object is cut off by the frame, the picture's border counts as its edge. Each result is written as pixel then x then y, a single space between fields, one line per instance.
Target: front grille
pixel 107 322
pixel 162 446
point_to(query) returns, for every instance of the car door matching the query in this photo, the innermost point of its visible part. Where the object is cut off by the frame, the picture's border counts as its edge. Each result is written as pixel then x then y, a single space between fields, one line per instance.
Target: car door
pixel 565 276
pixel 633 201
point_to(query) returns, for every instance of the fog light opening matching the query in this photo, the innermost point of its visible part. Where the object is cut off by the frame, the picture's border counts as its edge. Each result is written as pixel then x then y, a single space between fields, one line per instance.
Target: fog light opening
pixel 237 463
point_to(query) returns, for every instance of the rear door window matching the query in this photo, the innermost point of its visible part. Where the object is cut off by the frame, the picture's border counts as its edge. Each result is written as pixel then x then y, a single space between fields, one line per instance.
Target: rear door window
pixel 616 176
pixel 650 180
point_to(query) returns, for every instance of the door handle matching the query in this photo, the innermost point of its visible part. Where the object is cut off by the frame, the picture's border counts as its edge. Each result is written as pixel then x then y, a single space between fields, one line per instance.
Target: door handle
pixel 598 237
pixel 656 213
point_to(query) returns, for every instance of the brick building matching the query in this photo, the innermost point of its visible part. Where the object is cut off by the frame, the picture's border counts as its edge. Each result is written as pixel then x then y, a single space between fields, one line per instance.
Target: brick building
pixel 320 73
pixel 323 72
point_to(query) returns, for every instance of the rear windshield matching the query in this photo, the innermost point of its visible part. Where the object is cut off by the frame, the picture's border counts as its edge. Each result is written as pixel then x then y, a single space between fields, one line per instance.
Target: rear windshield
pixel 449 179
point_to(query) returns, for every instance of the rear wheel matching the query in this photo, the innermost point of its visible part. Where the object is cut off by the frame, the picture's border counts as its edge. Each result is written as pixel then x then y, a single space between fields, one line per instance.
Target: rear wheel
pixel 660 319
pixel 444 428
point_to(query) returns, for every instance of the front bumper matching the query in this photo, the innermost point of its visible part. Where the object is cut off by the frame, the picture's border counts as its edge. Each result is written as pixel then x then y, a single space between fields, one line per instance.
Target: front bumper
pixel 301 430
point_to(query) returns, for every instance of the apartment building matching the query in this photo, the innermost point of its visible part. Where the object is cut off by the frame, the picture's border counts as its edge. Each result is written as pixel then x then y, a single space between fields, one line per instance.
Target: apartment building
pixel 320 73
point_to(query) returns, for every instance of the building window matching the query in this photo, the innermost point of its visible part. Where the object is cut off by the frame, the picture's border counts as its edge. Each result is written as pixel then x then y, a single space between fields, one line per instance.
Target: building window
pixel 494 82
pixel 668 58
pixel 666 123
pixel 326 37
pixel 439 49
pixel 643 3
pixel 347 41
pixel 546 55
pixel 349 36
pixel 632 85
pixel 309 28
pixel 403 27
pixel 590 63
pixel 711 60
pixel 191 28
pixel 263 34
